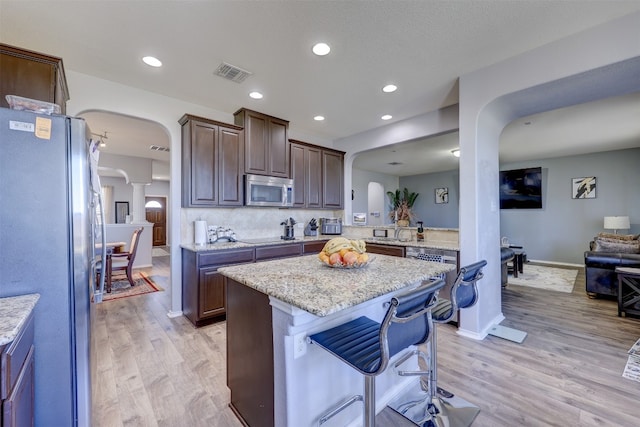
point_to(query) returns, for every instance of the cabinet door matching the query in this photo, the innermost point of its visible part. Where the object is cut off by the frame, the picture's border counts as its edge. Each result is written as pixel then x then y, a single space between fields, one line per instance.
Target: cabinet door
pixel 230 167
pixel 298 174
pixel 313 165
pixel 256 144
pixel 332 170
pixel 212 293
pixel 203 155
pixel 18 408
pixel 278 148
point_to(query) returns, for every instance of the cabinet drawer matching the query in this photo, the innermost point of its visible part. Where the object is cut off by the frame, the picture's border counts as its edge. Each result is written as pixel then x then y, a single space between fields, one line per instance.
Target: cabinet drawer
pixel 278 251
pixel 313 247
pixel 385 249
pixel 15 356
pixel 232 256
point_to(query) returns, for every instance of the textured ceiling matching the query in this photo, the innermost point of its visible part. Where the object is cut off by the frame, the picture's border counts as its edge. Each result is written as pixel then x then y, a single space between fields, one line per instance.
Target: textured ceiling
pixel 422 46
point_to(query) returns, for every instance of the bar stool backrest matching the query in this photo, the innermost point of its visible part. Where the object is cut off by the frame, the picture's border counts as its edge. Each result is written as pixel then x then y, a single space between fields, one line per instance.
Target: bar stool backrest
pixel 408 321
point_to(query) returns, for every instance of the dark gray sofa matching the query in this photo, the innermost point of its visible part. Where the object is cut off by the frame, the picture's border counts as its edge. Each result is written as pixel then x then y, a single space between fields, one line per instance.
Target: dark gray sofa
pixel 506 256
pixel 601 261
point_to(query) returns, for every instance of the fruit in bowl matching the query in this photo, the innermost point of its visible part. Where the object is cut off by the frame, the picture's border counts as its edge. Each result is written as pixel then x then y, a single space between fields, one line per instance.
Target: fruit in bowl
pixel 342 252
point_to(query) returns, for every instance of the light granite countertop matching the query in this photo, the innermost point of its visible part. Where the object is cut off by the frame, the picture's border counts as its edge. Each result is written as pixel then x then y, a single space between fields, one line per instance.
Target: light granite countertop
pixel 305 282
pixel 14 311
pixel 432 244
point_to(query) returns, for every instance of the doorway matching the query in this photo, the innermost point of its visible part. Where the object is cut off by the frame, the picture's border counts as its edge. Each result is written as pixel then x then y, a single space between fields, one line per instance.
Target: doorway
pixel 156 213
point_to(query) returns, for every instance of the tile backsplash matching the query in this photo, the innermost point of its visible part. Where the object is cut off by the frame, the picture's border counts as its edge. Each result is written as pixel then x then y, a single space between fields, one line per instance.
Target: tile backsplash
pixel 248 222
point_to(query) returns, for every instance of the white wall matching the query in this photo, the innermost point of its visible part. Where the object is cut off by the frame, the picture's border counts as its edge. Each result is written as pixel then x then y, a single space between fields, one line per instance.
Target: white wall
pixel 360 181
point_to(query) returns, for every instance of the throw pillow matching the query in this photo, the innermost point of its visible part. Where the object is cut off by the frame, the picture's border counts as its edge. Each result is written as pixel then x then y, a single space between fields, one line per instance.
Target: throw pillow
pixel 618 236
pixel 617 247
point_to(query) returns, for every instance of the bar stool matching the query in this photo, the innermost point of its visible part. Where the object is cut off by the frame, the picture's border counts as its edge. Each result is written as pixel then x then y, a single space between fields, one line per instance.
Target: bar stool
pixel 367 345
pixel 464 294
pixel 437 406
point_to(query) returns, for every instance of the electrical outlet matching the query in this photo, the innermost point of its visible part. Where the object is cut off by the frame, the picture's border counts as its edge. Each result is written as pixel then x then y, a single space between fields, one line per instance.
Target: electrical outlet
pixel 299 345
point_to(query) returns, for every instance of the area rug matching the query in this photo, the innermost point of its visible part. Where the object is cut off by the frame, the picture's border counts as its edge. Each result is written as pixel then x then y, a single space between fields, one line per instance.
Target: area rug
pixel 543 277
pixel 159 252
pixel 123 289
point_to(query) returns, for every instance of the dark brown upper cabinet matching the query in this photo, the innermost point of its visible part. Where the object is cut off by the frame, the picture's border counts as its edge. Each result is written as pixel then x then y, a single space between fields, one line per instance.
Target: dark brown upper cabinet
pixel 212 163
pixel 306 172
pixel 266 143
pixel 318 176
pixel 32 75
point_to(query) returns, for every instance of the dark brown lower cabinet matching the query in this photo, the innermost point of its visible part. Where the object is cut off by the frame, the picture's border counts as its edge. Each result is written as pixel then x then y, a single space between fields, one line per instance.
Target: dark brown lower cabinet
pixel 250 355
pixel 203 288
pixel 17 379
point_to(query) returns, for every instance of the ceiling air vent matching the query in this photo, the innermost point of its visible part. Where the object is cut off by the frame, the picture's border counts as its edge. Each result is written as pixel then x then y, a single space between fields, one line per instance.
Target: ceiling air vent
pixel 394 163
pixel 158 148
pixel 231 72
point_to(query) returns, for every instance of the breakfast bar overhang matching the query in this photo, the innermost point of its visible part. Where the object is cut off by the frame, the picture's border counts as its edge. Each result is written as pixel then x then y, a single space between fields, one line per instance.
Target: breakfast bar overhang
pixel 276 378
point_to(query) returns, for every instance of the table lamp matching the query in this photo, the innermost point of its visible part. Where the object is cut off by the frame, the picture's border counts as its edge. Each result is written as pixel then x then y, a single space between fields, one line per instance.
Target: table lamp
pixel 617 223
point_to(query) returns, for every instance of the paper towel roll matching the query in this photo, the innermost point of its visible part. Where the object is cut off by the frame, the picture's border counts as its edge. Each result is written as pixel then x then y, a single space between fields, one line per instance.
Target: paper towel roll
pixel 200 232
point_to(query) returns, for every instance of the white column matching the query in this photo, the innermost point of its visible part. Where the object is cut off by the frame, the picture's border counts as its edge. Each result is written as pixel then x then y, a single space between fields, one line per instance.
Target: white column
pixel 138 211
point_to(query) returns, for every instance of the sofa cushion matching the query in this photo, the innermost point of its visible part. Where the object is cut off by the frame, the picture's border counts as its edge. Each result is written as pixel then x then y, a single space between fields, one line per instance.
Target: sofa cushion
pixel 610 245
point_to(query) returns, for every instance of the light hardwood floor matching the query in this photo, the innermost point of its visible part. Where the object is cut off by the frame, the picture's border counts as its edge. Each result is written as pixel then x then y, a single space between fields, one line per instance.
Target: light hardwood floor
pixel 157 371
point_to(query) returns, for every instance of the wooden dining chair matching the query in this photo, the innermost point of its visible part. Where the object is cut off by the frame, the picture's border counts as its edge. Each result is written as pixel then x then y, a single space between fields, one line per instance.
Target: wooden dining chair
pixel 123 261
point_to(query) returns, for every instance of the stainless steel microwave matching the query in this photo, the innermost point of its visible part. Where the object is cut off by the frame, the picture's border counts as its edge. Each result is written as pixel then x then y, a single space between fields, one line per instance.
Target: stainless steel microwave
pixel 262 190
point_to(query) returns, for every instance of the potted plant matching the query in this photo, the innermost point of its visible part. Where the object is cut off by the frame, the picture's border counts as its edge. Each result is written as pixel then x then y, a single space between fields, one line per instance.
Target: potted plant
pixel 402 203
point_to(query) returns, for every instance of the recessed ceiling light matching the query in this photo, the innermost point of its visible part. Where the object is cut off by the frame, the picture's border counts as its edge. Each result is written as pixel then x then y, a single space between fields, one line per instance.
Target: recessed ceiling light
pixel 456 152
pixel 321 49
pixel 255 95
pixel 389 88
pixel 318 118
pixel 387 117
pixel 152 61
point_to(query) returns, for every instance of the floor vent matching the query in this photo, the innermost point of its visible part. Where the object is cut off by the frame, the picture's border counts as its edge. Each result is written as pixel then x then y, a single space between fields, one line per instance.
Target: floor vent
pixel 231 72
pixel 158 148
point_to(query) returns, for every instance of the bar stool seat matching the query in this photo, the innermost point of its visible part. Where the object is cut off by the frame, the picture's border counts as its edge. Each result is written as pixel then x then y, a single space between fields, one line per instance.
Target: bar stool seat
pixel 367 345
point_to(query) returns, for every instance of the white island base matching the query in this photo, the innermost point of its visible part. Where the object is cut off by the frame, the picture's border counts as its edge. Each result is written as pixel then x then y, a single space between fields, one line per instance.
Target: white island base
pixel 306 380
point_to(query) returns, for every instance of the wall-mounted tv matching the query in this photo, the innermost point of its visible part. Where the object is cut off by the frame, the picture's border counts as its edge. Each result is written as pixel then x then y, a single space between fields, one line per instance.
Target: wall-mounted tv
pixel 521 189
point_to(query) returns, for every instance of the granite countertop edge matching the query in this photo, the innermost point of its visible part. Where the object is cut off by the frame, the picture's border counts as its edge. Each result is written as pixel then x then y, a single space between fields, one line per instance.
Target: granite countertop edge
pixel 306 283
pixel 219 246
pixel 14 311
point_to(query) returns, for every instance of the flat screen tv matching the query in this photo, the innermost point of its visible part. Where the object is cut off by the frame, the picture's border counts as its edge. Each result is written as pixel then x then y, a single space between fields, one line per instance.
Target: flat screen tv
pixel 521 189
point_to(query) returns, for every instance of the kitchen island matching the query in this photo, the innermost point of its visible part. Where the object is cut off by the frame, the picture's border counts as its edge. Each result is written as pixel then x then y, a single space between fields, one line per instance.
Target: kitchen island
pixel 276 378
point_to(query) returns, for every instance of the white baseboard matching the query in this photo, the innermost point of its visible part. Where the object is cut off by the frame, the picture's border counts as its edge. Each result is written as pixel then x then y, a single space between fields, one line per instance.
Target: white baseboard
pixel 171 314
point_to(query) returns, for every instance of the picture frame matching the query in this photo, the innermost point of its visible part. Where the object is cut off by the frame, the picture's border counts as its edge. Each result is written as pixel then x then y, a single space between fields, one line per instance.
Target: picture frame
pixel 442 195
pixel 122 211
pixel 583 188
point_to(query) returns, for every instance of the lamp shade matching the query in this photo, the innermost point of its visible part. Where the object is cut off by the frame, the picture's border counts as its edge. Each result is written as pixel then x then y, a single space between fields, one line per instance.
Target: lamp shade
pixel 617 222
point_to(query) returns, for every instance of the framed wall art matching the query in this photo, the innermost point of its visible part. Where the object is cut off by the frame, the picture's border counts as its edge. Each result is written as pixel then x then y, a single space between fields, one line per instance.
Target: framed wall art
pixel 122 210
pixel 442 195
pixel 583 188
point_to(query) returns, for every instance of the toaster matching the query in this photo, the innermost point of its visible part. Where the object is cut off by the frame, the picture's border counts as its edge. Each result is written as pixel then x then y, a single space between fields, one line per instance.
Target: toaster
pixel 330 225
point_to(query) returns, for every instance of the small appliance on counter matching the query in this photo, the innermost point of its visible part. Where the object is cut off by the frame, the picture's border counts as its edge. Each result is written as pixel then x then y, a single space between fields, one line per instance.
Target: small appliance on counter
pixel 330 225
pixel 420 234
pixel 312 228
pixel 220 234
pixel 288 229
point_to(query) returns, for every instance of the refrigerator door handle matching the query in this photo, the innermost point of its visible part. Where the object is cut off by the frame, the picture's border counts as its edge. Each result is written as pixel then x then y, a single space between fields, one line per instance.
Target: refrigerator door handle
pixel 97 296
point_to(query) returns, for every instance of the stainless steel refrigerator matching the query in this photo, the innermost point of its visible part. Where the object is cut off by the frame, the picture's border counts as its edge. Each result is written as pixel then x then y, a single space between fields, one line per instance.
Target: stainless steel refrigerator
pixel 49 227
